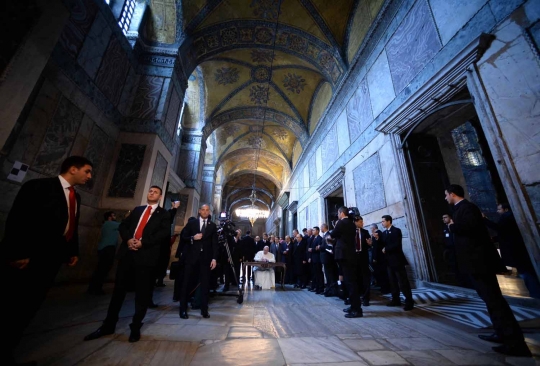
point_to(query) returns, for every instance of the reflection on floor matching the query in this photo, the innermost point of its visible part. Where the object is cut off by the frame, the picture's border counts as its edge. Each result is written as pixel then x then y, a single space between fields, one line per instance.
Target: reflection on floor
pixel 270 328
pixel 467 309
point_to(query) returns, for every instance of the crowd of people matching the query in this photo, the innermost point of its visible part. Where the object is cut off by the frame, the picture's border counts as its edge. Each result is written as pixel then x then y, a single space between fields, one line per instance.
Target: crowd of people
pixel 345 261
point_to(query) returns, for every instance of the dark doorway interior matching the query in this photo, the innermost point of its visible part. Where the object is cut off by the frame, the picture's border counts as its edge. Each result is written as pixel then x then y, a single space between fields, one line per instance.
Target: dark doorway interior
pixel 449 147
pixel 332 204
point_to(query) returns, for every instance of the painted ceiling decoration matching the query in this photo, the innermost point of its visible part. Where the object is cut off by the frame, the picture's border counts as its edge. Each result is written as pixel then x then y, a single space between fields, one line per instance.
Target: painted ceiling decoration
pixel 264 72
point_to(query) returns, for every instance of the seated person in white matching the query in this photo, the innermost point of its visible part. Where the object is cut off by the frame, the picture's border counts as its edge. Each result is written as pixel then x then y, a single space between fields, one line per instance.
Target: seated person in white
pixel 264 277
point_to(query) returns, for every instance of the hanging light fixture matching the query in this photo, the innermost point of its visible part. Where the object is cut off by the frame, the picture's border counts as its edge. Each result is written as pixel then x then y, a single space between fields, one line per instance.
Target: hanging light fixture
pixel 252 213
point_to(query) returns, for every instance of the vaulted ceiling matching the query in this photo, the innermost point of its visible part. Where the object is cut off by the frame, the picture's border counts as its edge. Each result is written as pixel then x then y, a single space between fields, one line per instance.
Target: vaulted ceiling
pixel 263 73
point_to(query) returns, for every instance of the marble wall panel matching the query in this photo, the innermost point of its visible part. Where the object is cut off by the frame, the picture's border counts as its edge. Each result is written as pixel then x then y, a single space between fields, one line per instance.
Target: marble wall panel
pixel 126 173
pixel 82 15
pixel 329 153
pixel 412 46
pixel 147 97
pixel 312 168
pixel 342 133
pixel 171 120
pixel 188 167
pixel 164 99
pixel 206 191
pixel 319 162
pixel 97 146
pixel 534 31
pixel 401 223
pixel 160 169
pixel 359 114
pixel 381 88
pixel 129 91
pixel 182 209
pixel 94 46
pixel 448 20
pixel 314 213
pixel 368 184
pixel 300 182
pixel 307 186
pixel 59 138
pixel 195 207
pixel 113 71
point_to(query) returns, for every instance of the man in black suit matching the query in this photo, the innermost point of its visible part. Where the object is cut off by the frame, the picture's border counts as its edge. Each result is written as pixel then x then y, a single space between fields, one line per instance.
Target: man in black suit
pixel 316 263
pixel 477 256
pixel 262 243
pixel 248 252
pixel 396 261
pixel 328 262
pixel 363 244
pixel 31 261
pixel 379 260
pixel 345 255
pixel 300 260
pixel 201 258
pixel 142 233
pixel 181 255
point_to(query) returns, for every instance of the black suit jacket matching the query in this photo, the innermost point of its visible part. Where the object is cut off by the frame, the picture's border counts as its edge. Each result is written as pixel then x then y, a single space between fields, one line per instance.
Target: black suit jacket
pixel 47 240
pixel 316 254
pixel 378 245
pixel 475 253
pixel 364 255
pixel 326 257
pixel 208 243
pixel 344 233
pixel 156 231
pixel 393 248
pixel 250 247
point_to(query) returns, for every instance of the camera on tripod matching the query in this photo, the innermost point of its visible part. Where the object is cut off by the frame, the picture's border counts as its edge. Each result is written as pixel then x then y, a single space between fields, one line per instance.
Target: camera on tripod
pixel 226 228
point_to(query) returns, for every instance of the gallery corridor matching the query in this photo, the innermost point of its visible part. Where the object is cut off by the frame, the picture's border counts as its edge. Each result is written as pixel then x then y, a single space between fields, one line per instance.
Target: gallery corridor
pixel 289 327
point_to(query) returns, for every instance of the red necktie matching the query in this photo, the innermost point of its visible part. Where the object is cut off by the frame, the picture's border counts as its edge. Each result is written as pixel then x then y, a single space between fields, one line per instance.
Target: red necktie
pixel 72 205
pixel 358 245
pixel 142 224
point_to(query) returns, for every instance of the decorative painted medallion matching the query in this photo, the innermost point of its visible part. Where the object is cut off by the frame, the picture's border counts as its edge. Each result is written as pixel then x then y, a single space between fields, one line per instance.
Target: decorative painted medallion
pixel 280 134
pixel 294 83
pixel 265 9
pixel 261 74
pixel 231 129
pixel 259 94
pixel 262 56
pixel 226 75
pixel 255 142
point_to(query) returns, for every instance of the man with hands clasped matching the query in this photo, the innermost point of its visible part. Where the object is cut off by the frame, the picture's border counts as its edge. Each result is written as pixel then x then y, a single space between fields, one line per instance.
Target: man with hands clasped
pixel 142 232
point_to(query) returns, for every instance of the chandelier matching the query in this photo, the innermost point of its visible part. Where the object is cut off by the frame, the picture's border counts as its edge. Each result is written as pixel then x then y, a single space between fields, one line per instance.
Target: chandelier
pixel 252 213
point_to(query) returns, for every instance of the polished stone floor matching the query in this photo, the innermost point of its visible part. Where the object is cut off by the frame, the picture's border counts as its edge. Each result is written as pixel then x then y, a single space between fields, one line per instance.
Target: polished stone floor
pixel 292 327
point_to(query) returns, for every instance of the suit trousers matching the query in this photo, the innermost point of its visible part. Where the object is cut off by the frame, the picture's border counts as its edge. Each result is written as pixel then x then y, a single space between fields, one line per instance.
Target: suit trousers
pixel 331 273
pixel 399 280
pixel 365 293
pixel 352 276
pixel 502 317
pixel 127 272
pixel 201 269
pixel 105 263
pixel 27 289
pixel 318 276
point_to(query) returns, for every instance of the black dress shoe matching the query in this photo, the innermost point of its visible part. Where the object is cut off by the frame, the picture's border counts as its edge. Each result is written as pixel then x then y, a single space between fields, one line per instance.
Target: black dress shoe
pixel 100 332
pixel 347 310
pixel 516 350
pixel 183 315
pixel 491 338
pixel 408 306
pixel 347 302
pixel 394 303
pixel 354 314
pixel 135 334
pixel 205 314
pixel 153 305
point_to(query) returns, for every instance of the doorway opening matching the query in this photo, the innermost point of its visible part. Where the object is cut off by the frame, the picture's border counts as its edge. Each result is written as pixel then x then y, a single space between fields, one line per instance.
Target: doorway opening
pixel 449 146
pixel 332 203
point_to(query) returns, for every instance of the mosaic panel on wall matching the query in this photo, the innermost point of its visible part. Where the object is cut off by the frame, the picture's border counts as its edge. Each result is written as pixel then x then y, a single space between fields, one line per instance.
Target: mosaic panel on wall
pixel 94 152
pixel 59 138
pixel 126 174
pixel 413 44
pixel 369 186
pixel 160 168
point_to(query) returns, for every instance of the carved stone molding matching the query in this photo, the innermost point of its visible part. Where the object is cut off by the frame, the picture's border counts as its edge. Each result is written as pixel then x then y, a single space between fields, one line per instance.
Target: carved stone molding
pixel 293 206
pixel 334 182
pixel 191 139
pixel 283 200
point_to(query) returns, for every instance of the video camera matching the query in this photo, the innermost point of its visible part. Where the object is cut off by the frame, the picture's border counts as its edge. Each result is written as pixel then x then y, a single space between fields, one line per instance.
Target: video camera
pixel 226 228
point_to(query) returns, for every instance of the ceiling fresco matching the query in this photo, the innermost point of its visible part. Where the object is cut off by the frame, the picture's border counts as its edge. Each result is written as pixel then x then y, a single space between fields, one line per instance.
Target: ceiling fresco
pixel 264 72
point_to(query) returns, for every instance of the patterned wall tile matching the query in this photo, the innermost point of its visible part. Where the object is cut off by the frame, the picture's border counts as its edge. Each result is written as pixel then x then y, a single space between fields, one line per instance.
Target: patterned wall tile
pixel 97 145
pixel 147 97
pixel 113 70
pixel 412 46
pixel 160 169
pixel 126 174
pixel 94 46
pixel 359 114
pixel 172 113
pixel 368 185
pixel 59 138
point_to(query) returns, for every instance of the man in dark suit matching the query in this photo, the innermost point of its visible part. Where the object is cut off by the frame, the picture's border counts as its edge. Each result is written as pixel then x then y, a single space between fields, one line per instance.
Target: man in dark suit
pixel 363 244
pixel 300 260
pixel 248 252
pixel 328 262
pixel 396 261
pixel 31 261
pixel 345 255
pixel 181 255
pixel 379 260
pixel 477 256
pixel 142 233
pixel 317 268
pixel 201 258
pixel 262 243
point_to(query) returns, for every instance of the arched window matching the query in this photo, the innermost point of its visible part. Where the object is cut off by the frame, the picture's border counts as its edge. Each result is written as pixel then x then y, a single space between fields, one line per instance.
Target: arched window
pixel 126 15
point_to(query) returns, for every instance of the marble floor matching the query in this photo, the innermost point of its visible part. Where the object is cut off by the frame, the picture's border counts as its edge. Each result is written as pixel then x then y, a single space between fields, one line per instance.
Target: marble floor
pixel 292 327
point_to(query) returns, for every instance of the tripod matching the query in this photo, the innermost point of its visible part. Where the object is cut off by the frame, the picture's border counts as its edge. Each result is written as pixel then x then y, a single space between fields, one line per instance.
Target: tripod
pixel 240 295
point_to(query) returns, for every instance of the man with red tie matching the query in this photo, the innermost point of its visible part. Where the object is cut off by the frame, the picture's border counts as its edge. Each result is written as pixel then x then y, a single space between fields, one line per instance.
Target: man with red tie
pixel 31 261
pixel 142 233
